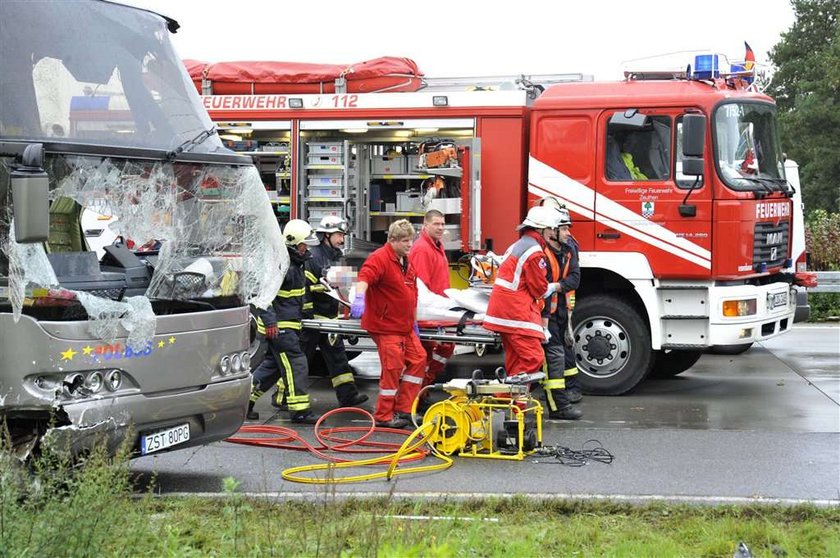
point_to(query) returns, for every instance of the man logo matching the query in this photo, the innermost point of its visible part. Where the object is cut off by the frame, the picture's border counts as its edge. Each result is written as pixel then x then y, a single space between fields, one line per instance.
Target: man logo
pixel 774 238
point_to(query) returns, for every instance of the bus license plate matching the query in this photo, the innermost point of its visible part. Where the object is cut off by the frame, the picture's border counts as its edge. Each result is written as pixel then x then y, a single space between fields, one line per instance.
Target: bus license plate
pixel 163 439
pixel 777 300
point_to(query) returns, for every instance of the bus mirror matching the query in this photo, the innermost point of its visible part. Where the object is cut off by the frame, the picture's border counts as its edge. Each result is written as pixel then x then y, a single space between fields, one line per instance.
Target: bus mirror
pixel 31 197
pixel 693 135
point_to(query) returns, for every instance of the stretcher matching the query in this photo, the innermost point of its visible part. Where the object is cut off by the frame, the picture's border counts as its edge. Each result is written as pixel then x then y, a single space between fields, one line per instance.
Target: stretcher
pixel 466 334
pixel 462 330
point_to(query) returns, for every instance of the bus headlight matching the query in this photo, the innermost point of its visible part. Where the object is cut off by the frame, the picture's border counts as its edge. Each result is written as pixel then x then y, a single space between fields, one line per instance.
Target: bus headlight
pixel 224 365
pixel 113 380
pixel 95 382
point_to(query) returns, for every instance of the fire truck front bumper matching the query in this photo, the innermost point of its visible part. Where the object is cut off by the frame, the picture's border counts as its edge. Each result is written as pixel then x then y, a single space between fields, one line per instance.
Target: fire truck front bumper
pixel 748 313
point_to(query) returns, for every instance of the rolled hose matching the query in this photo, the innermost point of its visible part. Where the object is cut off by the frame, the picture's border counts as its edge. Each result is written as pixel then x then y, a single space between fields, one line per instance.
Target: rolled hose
pixel 408 451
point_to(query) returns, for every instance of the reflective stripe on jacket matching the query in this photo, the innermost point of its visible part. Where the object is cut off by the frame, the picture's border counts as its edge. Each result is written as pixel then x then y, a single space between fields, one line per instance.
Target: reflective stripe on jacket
pixel 286 309
pixel 520 287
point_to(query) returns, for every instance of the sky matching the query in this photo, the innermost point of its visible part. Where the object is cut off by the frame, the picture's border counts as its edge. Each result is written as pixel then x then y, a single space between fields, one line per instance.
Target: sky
pixel 477 38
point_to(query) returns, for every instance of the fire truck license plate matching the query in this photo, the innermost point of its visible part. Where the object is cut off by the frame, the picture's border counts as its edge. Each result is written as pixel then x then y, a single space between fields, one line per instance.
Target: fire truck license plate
pixel 777 300
pixel 164 439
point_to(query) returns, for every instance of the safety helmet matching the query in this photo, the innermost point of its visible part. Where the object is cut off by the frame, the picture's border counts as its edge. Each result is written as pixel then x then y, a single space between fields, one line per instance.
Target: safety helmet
pixel 297 231
pixel 332 224
pixel 540 217
pixel 554 203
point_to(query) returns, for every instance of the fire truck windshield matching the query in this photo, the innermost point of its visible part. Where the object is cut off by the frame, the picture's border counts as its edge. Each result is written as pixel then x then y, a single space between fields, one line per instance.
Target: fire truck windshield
pixel 747 149
pixel 116 82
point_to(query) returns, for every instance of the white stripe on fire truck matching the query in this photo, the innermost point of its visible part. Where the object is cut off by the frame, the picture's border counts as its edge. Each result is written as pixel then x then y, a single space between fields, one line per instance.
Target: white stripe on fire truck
pixel 644 236
pixel 611 213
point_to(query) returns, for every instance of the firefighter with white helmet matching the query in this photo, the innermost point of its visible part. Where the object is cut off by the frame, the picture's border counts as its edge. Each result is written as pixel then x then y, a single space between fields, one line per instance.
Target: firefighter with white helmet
pixel 561 253
pixel 280 323
pixel 519 294
pixel 331 233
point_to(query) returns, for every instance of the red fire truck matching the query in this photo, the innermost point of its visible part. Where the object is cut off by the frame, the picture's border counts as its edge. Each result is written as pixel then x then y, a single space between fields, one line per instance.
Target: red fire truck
pixel 676 184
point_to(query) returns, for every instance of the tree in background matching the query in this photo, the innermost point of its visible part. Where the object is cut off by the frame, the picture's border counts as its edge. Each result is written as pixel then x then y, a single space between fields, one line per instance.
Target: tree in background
pixel 806 86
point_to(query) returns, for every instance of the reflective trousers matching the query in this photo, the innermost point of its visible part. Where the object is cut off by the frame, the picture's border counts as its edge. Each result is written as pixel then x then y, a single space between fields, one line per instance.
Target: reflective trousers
pixel 555 364
pixel 284 360
pixel 403 363
pixel 335 357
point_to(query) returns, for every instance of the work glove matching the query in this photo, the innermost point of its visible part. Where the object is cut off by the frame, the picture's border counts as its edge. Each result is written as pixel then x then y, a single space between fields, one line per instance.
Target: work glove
pixel 416 329
pixel 568 337
pixel 547 335
pixel 358 306
pixel 552 288
pixel 271 331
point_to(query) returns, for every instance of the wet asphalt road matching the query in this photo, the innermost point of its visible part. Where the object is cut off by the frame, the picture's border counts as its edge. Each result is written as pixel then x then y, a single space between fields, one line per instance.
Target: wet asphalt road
pixel 764 425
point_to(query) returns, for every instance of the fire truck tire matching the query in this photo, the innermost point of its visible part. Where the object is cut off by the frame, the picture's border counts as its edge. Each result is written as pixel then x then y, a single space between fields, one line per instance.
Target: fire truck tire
pixel 612 345
pixel 730 349
pixel 669 364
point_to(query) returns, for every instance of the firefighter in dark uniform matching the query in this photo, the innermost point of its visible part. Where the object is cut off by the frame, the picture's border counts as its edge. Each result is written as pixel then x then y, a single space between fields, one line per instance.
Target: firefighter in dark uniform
pixel 280 324
pixel 564 268
pixel 331 233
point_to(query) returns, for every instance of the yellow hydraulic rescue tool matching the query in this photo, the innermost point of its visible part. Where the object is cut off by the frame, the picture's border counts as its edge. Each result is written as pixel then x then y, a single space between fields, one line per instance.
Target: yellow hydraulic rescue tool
pixel 494 419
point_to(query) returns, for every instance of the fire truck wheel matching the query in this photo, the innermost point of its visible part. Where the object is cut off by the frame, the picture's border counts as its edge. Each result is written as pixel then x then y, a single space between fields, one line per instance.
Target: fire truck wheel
pixel 612 345
pixel 669 364
pixel 730 349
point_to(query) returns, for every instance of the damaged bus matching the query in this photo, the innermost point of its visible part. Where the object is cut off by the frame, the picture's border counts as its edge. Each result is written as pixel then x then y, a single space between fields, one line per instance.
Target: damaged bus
pixel 148 344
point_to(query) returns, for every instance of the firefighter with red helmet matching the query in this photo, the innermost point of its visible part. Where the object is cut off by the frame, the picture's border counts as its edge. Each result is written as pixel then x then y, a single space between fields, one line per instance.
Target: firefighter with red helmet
pixel 519 293
pixel 561 252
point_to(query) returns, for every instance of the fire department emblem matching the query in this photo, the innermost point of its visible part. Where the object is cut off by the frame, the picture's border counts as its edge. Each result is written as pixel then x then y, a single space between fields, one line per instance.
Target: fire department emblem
pixel 647 209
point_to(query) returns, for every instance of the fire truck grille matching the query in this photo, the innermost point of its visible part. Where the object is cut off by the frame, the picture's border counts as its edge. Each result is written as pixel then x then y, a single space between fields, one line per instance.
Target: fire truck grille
pixel 771 243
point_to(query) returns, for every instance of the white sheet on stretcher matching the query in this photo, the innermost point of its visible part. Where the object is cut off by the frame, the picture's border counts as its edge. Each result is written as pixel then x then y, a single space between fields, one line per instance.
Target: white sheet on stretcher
pixel 432 307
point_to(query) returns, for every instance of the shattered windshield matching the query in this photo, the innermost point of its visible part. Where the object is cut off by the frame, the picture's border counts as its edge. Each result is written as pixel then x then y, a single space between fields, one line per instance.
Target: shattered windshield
pixel 211 235
pixel 747 147
pixel 95 73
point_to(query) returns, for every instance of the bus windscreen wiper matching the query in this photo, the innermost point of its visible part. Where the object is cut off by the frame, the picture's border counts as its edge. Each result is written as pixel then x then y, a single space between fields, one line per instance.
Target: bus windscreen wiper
pixel 188 145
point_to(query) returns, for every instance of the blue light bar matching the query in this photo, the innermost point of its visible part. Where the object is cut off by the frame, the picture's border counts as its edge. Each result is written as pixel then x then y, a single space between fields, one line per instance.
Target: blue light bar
pixel 706 66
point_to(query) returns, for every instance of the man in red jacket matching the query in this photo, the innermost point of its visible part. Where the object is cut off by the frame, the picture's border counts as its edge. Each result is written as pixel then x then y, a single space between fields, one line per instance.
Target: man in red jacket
pixel 386 301
pixel 429 260
pixel 518 294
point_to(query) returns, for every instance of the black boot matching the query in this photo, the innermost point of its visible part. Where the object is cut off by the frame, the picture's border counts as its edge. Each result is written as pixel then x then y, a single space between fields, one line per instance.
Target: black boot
pixel 573 391
pixel 353 400
pixel 252 414
pixel 304 417
pixel 565 410
pixel 278 400
pixel 569 412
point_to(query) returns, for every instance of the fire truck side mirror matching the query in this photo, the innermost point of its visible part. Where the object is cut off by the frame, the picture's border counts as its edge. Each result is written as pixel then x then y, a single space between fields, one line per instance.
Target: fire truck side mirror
pixel 30 197
pixel 693 135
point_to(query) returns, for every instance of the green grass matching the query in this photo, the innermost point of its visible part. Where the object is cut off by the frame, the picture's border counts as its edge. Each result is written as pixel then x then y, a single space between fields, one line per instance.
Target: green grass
pixel 93 511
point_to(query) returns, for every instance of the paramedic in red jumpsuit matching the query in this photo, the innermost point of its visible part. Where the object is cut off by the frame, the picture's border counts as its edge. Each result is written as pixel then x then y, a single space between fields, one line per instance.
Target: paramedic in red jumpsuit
pixel 518 294
pixel 386 301
pixel 429 260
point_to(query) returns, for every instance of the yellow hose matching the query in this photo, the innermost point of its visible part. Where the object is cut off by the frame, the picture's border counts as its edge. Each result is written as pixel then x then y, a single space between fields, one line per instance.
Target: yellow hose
pixel 407 450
